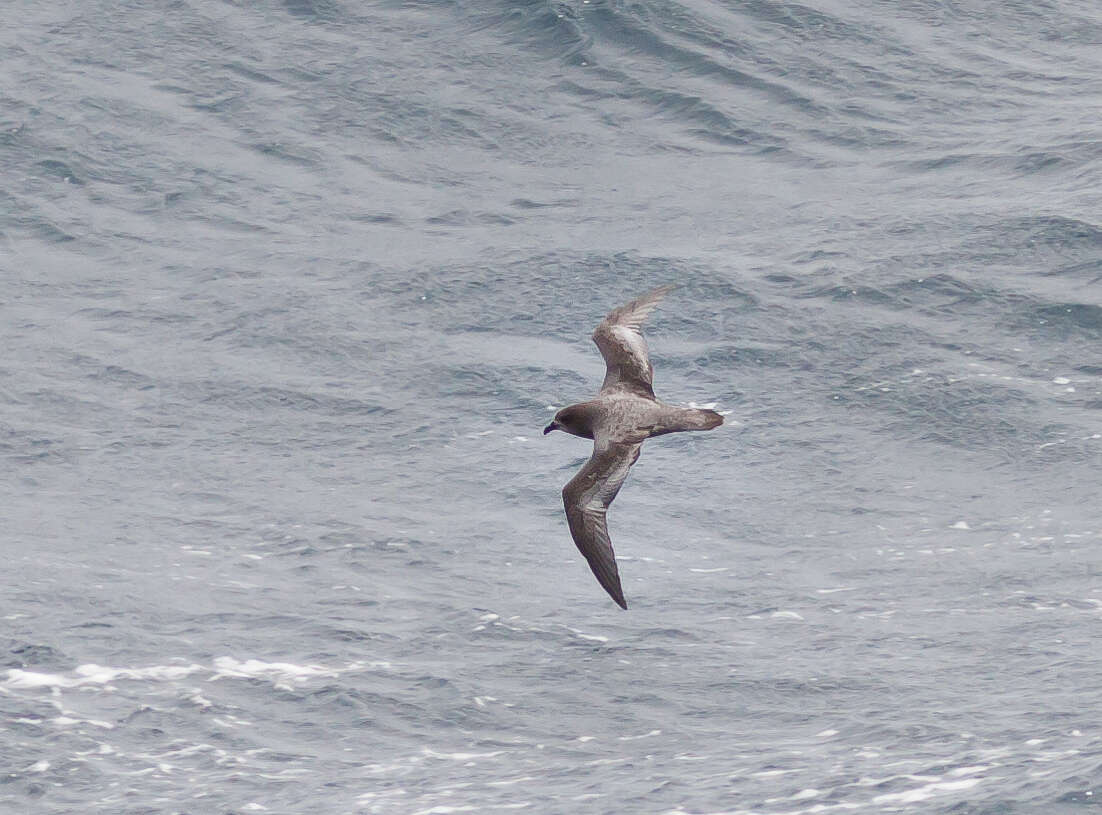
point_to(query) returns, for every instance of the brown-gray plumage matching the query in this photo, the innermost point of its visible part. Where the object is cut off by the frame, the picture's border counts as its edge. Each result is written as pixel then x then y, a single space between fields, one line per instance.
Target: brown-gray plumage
pixel 619 419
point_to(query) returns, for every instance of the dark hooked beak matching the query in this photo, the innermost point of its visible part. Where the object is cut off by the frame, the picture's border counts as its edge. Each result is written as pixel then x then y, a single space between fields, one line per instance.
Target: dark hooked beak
pixel 550 427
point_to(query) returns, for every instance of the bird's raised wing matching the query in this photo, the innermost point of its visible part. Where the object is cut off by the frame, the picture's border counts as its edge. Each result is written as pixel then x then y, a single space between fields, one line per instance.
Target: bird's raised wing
pixel 622 345
pixel 587 498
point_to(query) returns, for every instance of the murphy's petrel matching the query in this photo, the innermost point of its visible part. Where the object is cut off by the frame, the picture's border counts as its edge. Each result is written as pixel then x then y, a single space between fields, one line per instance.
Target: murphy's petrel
pixel 624 414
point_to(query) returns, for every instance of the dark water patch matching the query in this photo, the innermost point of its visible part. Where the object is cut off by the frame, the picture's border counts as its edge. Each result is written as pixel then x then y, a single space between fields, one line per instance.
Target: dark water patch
pixel 314 10
pixel 861 295
pixel 1090 269
pixel 487 382
pixel 117 375
pixel 40 228
pixel 250 73
pixel 713 123
pixel 982 415
pixel 387 218
pixel 669 634
pixel 942 293
pixel 806 22
pixel 819 257
pixel 21 441
pixel 16 653
pixel 70 407
pixel 11 134
pixel 463 298
pixel 702 115
pixel 462 217
pixel 1056 232
pixel 635 38
pixel 124 320
pixel 1016 163
pixel 223 102
pixel 857 137
pixel 742 356
pixel 524 203
pixel 589 92
pixel 294 154
pixel 1044 245
pixel 59 170
pixel 1034 163
pixel 549 29
pixel 1064 320
pixel 248 398
pixel 951 299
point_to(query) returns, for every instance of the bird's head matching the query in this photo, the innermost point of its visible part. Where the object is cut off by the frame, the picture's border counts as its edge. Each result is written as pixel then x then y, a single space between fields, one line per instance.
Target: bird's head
pixel 574 420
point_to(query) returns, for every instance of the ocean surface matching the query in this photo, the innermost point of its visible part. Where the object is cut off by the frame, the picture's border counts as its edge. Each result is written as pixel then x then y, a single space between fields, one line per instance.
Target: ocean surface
pixel 289 289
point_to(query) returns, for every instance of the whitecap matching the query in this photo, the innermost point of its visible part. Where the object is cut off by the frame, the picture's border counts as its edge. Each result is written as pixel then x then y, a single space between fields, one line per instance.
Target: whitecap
pixel 641 736
pixel 92 674
pixel 282 674
pixel 918 794
pixel 582 635
pixel 460 756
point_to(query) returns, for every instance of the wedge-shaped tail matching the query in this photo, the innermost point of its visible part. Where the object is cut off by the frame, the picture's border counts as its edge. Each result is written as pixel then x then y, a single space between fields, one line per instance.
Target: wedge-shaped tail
pixel 697 419
pixel 676 420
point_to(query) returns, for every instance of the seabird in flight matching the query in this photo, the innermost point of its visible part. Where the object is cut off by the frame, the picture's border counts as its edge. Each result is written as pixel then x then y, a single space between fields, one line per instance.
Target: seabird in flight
pixel 622 416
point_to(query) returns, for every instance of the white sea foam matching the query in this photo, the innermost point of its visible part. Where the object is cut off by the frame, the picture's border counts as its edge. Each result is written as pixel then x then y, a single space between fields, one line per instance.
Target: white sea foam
pixel 430 753
pixel 924 793
pixel 284 675
pixel 67 721
pixel 959 771
pixel 97 675
pixel 641 736
pixel 582 635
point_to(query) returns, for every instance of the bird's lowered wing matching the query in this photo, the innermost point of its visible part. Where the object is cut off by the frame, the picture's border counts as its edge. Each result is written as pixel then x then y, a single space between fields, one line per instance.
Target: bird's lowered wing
pixel 621 343
pixel 587 498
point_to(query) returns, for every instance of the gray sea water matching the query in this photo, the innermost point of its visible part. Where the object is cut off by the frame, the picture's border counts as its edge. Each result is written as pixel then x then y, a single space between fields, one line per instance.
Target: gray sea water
pixel 290 288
